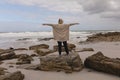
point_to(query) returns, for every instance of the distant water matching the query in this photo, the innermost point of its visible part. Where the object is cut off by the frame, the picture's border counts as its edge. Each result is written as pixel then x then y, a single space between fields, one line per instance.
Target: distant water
pixel 9 38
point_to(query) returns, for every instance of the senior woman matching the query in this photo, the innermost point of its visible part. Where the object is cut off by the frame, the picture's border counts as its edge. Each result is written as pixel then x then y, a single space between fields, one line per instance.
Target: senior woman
pixel 61 34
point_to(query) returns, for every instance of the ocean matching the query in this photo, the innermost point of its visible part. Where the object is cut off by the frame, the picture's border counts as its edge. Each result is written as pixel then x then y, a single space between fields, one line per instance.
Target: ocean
pixel 25 39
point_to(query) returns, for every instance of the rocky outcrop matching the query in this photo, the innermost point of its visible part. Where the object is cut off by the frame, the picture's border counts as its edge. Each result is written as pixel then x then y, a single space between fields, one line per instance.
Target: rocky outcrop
pixel 70 47
pixel 12 76
pixel 10 50
pixel 102 63
pixel 43 52
pixel 33 55
pixel 110 36
pixel 4 75
pixel 45 39
pixel 24 59
pixel 1 50
pixel 85 49
pixel 6 56
pixel 6 51
pixel 21 49
pixel 66 63
pixel 29 66
pixel 41 46
pixel 23 39
pixel 2 71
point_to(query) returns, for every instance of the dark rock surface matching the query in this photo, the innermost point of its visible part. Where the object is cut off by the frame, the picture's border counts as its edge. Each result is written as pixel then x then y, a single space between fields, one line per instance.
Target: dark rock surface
pixel 2 70
pixel 21 49
pixel 24 59
pixel 5 51
pixel 6 56
pixel 110 36
pixel 41 46
pixel 45 39
pixel 29 66
pixel 102 63
pixel 12 76
pixel 66 63
pixel 23 39
pixel 43 52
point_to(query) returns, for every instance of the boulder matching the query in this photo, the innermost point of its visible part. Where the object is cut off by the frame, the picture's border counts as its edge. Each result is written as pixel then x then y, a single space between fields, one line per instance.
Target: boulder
pixel 66 63
pixel 24 59
pixel 45 39
pixel 21 49
pixel 29 66
pixel 43 52
pixel 1 62
pixel 33 55
pixel 6 51
pixel 1 50
pixel 110 36
pixel 102 63
pixel 70 47
pixel 10 55
pixel 12 76
pixel 2 71
pixel 41 46
pixel 24 39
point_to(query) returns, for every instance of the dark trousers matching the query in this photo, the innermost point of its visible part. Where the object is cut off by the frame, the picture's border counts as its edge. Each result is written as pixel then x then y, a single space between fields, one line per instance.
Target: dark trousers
pixel 60 47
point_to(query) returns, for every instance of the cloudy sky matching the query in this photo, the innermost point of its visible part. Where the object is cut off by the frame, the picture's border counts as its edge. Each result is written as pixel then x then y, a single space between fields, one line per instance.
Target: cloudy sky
pixel 28 15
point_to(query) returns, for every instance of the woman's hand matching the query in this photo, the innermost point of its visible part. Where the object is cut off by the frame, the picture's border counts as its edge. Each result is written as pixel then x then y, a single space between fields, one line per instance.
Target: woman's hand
pixel 74 24
pixel 44 24
pixel 47 24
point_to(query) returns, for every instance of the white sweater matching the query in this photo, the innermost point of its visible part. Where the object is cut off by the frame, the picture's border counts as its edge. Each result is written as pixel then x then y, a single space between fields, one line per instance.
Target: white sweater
pixel 61 32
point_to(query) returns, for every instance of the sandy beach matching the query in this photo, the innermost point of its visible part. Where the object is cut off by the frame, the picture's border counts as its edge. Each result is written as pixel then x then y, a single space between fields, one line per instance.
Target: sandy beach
pixel 110 49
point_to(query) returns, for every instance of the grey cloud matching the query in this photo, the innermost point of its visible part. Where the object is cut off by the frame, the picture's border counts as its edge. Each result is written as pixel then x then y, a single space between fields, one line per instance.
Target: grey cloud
pixel 70 6
pixel 95 6
pixel 104 8
pixel 112 15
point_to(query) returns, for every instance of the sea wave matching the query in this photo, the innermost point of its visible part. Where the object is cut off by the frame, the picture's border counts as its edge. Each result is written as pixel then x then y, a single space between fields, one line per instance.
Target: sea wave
pixel 38 34
pixel 22 39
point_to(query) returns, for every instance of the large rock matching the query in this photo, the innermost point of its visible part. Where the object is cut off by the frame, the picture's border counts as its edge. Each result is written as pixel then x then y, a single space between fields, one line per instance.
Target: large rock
pixel 102 63
pixel 70 47
pixel 2 71
pixel 24 59
pixel 23 39
pixel 110 36
pixel 41 46
pixel 13 76
pixel 6 51
pixel 1 50
pixel 67 63
pixel 29 66
pixel 21 49
pixel 43 52
pixel 45 39
pixel 9 55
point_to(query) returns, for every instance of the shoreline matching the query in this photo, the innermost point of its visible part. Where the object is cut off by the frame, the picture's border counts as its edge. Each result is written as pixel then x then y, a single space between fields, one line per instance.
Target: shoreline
pixel 109 49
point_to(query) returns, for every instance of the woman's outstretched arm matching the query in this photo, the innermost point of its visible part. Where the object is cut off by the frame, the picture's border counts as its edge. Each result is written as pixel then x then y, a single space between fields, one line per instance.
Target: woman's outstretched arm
pixel 47 24
pixel 73 24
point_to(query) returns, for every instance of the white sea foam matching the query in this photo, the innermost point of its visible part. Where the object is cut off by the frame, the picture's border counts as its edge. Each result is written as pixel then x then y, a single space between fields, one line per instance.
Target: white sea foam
pixel 24 39
pixel 10 39
pixel 38 34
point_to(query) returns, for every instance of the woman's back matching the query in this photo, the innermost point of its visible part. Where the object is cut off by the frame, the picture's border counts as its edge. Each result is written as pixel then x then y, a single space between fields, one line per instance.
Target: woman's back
pixel 61 32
